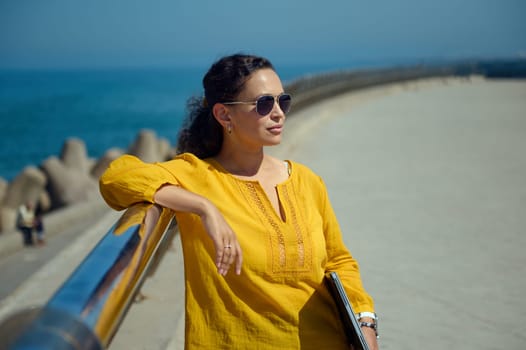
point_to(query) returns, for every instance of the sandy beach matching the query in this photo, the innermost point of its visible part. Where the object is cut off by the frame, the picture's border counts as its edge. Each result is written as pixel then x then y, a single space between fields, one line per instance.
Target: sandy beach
pixel 428 181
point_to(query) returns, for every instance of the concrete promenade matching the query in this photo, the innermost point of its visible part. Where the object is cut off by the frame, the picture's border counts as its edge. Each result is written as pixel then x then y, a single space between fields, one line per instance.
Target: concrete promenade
pixel 428 180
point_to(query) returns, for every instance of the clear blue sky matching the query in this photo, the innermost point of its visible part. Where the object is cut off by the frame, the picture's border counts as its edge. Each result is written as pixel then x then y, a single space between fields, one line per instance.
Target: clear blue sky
pixel 128 33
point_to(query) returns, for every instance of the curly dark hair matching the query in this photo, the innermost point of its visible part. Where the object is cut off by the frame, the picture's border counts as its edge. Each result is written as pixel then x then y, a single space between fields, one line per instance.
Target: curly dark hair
pixel 201 134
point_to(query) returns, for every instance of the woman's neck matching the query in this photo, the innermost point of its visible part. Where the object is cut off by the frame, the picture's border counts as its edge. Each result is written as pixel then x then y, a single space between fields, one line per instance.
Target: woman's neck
pixel 241 162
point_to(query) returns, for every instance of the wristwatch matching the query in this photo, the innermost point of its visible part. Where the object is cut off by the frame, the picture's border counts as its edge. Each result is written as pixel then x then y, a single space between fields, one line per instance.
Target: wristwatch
pixel 373 325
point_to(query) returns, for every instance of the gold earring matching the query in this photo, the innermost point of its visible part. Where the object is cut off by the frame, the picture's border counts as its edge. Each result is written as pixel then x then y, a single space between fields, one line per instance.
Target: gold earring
pixel 229 128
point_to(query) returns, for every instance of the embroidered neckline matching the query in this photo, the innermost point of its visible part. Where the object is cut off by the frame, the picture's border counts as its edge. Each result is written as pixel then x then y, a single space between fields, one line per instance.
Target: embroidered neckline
pixel 219 167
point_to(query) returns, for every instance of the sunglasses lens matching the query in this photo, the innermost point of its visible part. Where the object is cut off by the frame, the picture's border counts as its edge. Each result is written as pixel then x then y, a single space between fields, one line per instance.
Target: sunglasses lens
pixel 265 104
pixel 285 100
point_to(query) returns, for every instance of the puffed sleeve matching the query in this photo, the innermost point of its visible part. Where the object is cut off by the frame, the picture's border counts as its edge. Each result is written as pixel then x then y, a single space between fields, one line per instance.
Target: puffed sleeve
pixel 128 180
pixel 339 258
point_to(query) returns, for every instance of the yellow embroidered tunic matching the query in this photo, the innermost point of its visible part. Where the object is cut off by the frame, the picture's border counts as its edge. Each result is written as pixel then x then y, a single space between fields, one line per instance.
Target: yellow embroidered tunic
pixel 279 301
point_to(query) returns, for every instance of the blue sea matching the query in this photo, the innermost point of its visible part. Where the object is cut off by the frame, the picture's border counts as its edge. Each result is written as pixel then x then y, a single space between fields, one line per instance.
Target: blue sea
pixel 40 109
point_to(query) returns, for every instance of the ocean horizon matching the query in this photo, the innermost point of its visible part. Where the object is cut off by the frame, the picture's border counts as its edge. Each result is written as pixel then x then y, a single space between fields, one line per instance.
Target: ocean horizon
pixel 105 108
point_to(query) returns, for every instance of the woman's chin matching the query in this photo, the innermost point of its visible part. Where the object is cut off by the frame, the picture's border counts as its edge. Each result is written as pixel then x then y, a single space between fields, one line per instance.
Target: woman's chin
pixel 274 142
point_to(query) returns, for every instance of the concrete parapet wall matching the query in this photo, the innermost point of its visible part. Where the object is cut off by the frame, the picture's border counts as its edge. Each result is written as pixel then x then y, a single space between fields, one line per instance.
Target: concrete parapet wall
pixel 311 89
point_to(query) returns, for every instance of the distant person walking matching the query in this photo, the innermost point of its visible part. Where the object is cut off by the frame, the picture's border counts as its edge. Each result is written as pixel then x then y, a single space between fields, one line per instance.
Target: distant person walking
pixel 39 225
pixel 26 222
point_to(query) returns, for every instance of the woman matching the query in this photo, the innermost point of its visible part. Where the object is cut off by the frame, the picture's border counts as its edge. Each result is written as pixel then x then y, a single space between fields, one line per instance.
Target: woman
pixel 238 207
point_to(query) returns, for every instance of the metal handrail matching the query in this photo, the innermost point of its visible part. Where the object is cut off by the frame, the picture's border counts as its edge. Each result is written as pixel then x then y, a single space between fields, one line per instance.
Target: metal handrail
pixel 88 308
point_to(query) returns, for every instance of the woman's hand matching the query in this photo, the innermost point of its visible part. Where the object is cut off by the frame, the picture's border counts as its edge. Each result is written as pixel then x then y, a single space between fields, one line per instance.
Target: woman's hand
pixel 226 245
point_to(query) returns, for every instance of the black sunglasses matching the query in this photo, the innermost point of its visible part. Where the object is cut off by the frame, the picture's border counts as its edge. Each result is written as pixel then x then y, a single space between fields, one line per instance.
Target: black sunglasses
pixel 265 103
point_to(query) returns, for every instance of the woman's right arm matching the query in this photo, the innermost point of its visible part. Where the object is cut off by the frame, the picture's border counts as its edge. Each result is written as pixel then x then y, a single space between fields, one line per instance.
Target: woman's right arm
pixel 128 181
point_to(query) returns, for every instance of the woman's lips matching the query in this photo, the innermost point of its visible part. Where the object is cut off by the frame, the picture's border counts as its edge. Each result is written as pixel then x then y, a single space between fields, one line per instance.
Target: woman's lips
pixel 276 129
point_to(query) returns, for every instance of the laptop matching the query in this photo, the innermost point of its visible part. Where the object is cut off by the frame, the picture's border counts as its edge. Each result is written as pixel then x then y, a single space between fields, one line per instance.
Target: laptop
pixel 350 324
